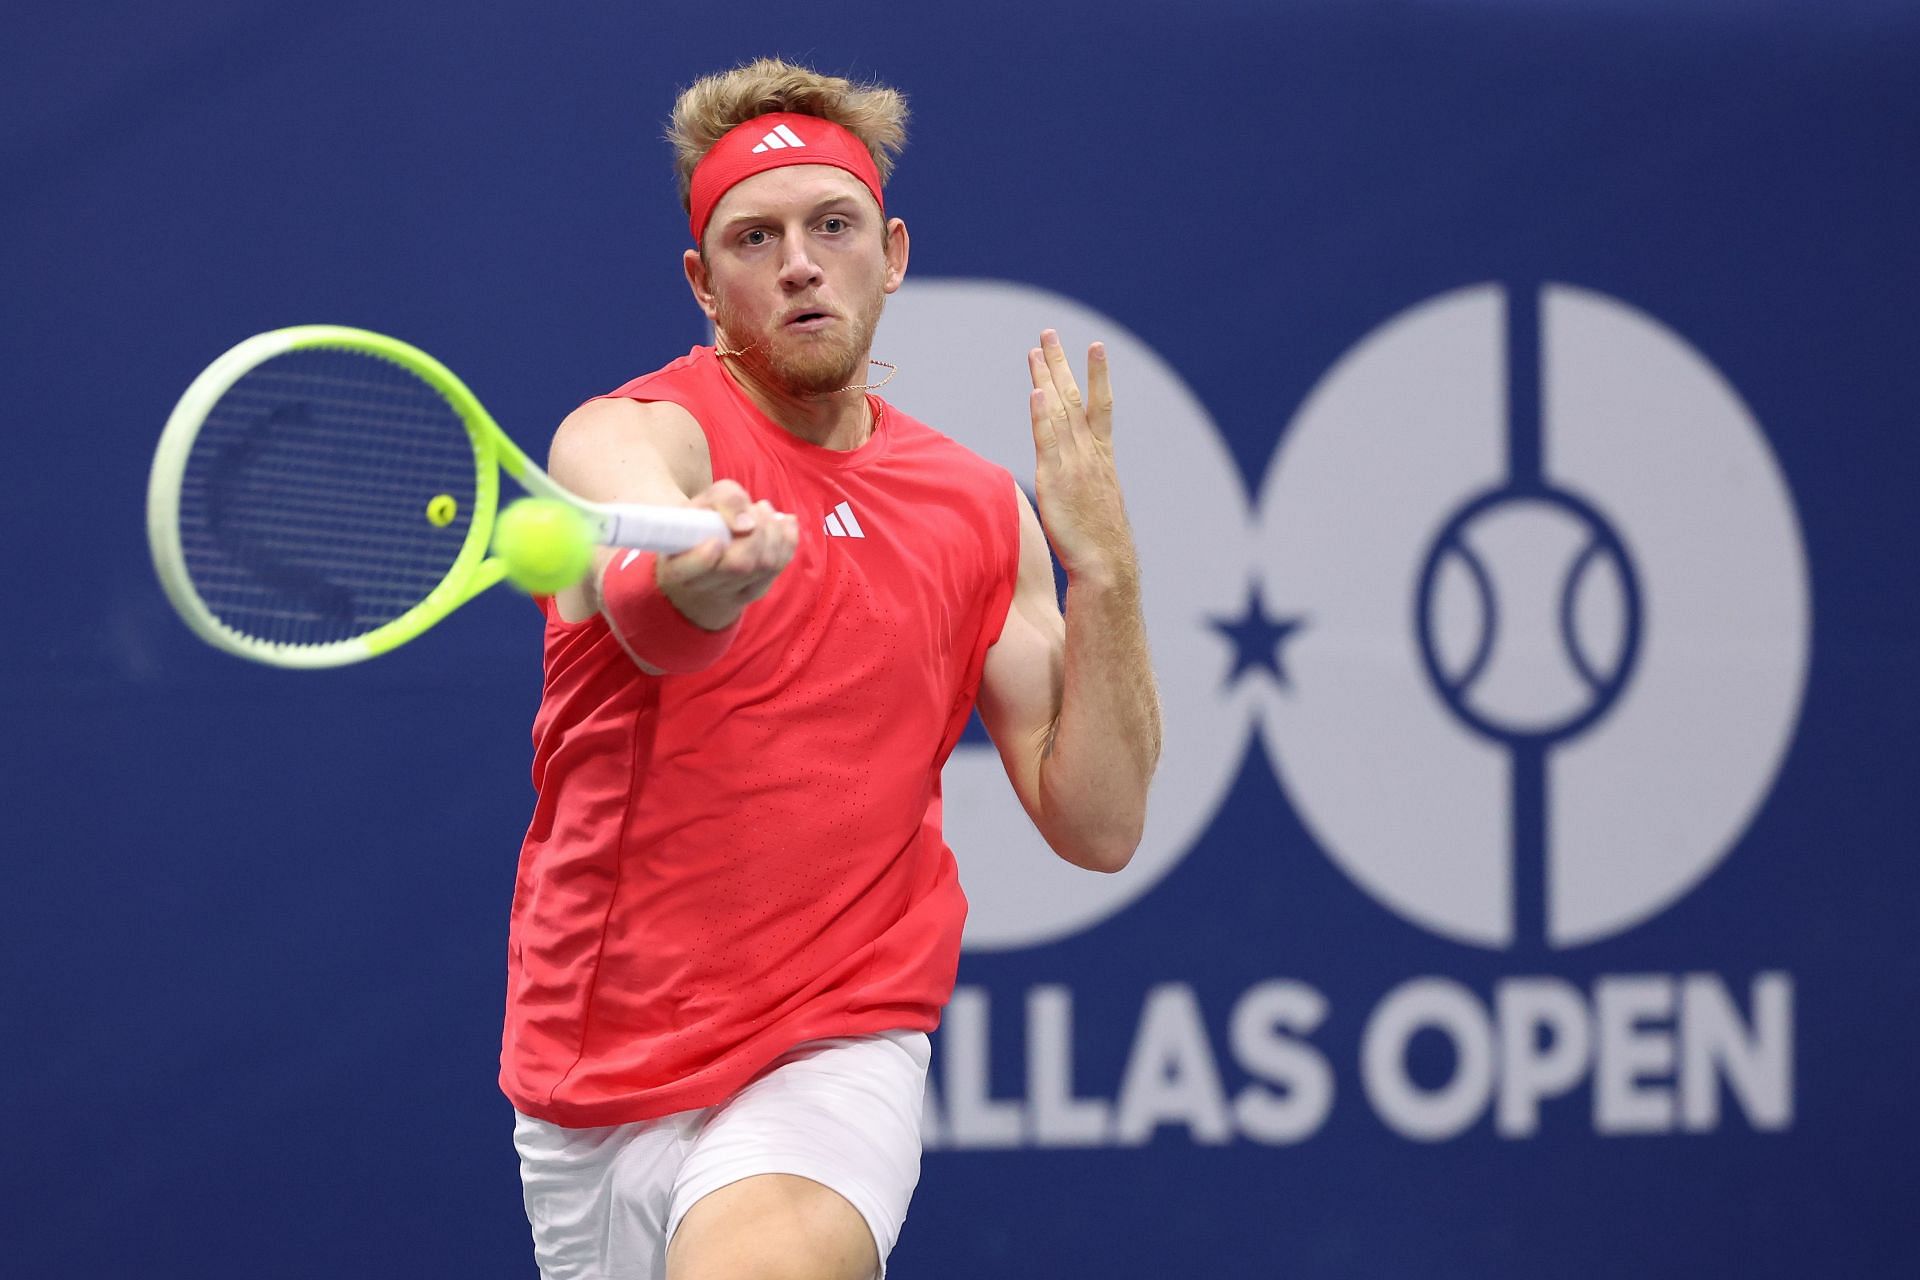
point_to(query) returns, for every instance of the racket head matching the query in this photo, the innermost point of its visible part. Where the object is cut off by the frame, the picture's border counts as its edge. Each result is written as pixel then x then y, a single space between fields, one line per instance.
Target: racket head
pixel 297 507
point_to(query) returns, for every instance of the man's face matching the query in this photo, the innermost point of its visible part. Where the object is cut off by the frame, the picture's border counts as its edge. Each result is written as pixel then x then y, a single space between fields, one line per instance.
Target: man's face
pixel 798 264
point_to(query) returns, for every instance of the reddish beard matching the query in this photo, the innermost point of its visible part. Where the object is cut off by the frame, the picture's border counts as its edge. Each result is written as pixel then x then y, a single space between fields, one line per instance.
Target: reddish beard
pixel 803 364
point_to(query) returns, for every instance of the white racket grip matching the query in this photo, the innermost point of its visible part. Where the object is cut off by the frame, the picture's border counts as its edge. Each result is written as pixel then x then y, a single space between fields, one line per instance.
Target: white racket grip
pixel 664 529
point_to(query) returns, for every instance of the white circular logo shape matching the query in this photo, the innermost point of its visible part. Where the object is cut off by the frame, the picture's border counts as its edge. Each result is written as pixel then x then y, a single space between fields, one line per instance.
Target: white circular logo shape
pixel 1549 616
pixel 961 347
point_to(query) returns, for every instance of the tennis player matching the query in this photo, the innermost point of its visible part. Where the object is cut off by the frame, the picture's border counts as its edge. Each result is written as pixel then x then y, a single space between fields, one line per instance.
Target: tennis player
pixel 735 918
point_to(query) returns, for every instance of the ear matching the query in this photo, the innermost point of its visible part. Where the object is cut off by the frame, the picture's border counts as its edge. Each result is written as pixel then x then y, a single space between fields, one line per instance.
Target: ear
pixel 698 281
pixel 896 253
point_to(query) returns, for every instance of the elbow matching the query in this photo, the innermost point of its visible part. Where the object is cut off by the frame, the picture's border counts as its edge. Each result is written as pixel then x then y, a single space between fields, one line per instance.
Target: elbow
pixel 1106 851
pixel 1095 817
pixel 1111 859
pixel 1096 829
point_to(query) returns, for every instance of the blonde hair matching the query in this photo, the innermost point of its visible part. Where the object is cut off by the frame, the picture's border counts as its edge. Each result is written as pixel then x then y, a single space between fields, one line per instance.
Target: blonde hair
pixel 710 107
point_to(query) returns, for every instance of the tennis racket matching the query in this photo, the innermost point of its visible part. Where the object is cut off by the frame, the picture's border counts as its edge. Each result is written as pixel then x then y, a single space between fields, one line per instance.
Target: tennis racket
pixel 322 495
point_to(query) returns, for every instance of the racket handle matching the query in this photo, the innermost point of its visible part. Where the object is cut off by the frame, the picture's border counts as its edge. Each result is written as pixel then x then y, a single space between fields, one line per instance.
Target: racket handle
pixel 664 529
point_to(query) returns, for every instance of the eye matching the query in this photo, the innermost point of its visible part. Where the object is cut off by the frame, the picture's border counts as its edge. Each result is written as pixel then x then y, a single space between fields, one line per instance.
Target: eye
pixel 755 238
pixel 833 225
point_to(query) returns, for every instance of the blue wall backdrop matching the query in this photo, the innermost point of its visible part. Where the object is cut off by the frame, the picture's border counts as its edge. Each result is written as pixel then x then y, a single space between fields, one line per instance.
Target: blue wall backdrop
pixel 1518 410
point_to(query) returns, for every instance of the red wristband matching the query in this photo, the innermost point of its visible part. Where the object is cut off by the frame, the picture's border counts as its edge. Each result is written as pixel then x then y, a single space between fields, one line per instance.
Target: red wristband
pixel 647 623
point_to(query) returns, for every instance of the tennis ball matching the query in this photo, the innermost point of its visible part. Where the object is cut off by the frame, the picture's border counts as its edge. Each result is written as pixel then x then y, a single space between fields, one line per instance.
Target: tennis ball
pixel 441 510
pixel 547 545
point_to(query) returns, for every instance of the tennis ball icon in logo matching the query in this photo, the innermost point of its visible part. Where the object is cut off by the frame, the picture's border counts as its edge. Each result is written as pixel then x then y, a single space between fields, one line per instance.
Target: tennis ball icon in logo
pixel 1524 568
pixel 1556 619
pixel 1482 592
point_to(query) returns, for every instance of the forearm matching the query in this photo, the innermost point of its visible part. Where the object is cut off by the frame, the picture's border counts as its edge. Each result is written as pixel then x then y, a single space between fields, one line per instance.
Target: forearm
pixel 1105 742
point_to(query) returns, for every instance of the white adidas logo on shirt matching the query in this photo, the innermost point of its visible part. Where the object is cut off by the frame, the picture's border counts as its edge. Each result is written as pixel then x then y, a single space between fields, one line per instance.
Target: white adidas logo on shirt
pixel 841 524
pixel 780 139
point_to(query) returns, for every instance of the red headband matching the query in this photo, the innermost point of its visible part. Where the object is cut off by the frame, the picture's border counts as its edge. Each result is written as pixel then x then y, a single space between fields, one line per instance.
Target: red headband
pixel 774 142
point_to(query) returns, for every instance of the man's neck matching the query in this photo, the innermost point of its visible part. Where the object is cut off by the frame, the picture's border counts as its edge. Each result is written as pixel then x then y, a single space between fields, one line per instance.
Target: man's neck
pixel 840 420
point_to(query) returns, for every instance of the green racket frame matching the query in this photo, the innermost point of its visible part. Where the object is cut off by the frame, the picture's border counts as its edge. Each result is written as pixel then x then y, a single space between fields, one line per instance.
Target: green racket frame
pixel 474 569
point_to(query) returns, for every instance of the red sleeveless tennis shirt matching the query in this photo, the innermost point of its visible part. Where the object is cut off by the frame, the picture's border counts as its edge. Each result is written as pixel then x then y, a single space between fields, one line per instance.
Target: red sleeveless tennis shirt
pixel 726 863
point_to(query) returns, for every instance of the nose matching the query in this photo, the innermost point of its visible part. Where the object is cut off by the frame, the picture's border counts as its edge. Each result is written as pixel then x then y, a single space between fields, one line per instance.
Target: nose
pixel 798 270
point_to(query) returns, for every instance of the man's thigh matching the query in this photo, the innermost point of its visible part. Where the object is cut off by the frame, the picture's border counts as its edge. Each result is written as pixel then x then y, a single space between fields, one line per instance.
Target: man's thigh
pixel 812 1164
pixel 773 1226
pixel 598 1199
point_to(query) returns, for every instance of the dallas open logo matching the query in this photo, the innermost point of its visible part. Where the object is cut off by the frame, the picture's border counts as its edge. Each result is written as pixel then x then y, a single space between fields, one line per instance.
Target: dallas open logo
pixel 1523 620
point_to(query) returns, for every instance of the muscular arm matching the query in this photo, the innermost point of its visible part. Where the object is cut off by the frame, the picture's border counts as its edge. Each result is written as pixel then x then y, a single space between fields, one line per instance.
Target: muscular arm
pixel 626 451
pixel 1071 702
pixel 630 451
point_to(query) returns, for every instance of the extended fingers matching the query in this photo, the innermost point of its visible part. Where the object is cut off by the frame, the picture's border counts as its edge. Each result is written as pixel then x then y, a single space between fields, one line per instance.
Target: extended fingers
pixel 1043 405
pixel 1059 370
pixel 1053 414
pixel 1099 393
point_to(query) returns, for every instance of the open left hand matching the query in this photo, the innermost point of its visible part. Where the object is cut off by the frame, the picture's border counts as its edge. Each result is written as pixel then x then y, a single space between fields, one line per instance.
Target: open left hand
pixel 1078 487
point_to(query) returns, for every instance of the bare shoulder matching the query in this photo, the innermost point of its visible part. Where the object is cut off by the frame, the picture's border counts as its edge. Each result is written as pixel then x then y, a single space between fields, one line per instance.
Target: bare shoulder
pixel 618 450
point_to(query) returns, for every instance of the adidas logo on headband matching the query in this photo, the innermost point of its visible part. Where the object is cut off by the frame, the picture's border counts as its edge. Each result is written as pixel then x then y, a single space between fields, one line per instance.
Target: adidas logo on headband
pixel 779 140
pixel 737 157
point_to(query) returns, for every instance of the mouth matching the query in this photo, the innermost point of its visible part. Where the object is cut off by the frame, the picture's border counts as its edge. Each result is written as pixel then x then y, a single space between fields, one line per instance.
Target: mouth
pixel 807 320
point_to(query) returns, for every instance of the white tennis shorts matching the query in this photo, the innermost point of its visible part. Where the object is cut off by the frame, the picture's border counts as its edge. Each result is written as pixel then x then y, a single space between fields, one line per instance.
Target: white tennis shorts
pixel 604 1203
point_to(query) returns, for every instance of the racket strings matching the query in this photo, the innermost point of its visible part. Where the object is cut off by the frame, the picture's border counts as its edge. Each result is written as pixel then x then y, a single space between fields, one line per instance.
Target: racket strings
pixel 304 507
